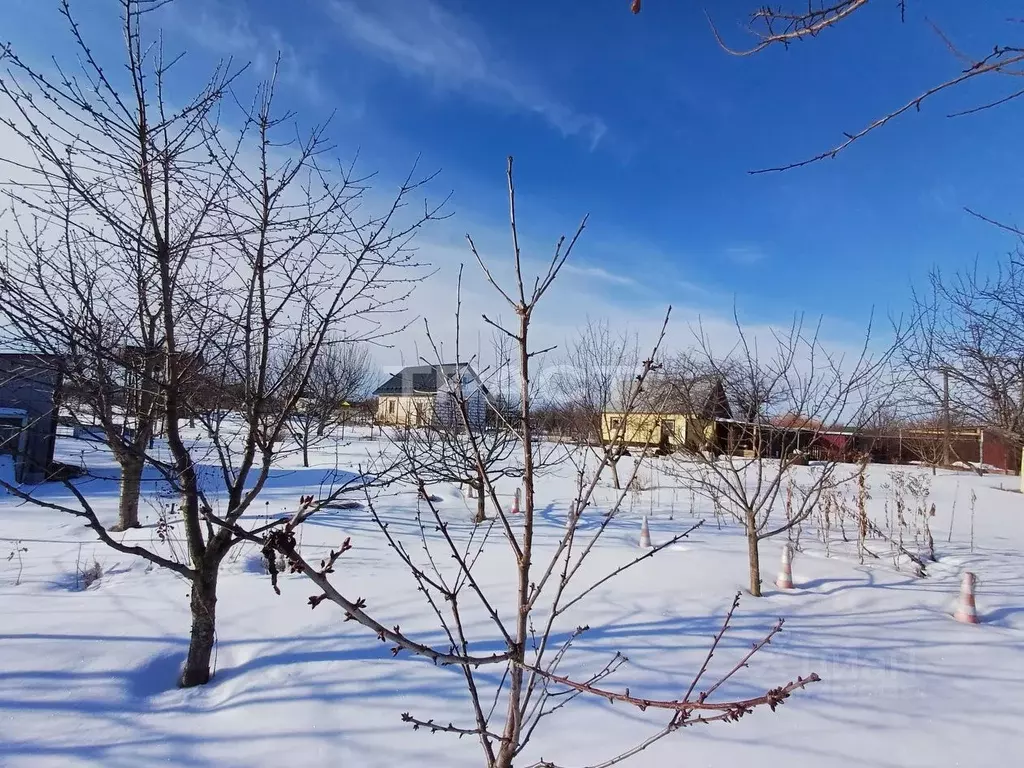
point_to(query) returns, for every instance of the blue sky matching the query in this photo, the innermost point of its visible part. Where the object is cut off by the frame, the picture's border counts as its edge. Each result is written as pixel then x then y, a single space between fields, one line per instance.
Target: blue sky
pixel 645 124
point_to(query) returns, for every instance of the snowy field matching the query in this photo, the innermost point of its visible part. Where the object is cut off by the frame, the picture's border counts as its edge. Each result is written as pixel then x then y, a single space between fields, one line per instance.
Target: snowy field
pixel 87 673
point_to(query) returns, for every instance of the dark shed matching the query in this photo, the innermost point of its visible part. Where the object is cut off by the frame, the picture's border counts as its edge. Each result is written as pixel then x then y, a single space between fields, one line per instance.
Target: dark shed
pixel 29 388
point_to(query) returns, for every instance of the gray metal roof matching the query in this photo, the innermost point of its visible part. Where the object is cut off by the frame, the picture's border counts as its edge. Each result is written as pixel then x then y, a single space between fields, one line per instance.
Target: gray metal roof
pixel 423 379
pixel 703 396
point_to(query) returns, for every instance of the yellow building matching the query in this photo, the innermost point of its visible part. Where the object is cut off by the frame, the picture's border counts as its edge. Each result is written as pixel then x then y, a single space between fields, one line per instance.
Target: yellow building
pixel 665 431
pixel 405 410
pixel 686 419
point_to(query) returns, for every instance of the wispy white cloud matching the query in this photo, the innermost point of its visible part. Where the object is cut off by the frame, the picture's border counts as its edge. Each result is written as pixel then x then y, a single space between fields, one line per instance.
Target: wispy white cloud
pixel 598 273
pixel 942 195
pixel 690 287
pixel 421 38
pixel 745 255
pixel 226 28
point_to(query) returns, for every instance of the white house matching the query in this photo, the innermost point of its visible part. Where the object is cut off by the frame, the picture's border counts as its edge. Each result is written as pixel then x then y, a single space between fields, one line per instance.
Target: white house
pixel 422 395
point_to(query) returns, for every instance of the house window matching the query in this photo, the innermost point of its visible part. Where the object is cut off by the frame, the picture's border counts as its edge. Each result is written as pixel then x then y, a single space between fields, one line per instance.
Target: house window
pixel 391 407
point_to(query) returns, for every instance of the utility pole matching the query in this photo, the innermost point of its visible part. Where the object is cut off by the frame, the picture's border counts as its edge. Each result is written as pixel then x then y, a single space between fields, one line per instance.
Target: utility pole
pixel 945 418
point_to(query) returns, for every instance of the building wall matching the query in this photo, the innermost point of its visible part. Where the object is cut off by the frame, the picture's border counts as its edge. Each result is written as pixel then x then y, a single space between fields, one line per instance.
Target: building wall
pixel 26 384
pixel 405 410
pixel 999 452
pixel 927 445
pixel 646 429
pixel 12 431
pixel 422 410
pixel 447 409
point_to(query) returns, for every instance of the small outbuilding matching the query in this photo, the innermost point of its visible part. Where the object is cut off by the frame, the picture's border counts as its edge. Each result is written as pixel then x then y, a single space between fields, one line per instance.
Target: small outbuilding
pixel 674 415
pixel 29 396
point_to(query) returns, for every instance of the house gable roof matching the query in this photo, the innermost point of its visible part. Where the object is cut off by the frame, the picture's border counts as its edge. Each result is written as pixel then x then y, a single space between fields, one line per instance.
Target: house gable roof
pixel 708 398
pixel 701 396
pixel 425 379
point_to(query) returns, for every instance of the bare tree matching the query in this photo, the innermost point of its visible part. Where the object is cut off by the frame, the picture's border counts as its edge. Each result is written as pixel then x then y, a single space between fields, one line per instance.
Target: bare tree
pixel 65 300
pixel 470 441
pixel 343 372
pixel 966 354
pixel 525 618
pixel 794 401
pixel 232 243
pixel 592 381
pixel 965 340
pixel 932 440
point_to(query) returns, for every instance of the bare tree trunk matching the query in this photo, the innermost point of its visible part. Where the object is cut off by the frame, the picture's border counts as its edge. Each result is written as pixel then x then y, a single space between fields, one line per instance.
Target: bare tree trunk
pixel 481 504
pixel 513 721
pixel 753 556
pixel 615 473
pixel 128 500
pixel 204 616
pixel 305 450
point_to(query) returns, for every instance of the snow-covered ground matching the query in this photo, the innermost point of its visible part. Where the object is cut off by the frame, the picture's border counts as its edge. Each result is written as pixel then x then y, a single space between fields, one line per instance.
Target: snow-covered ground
pixel 87 673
